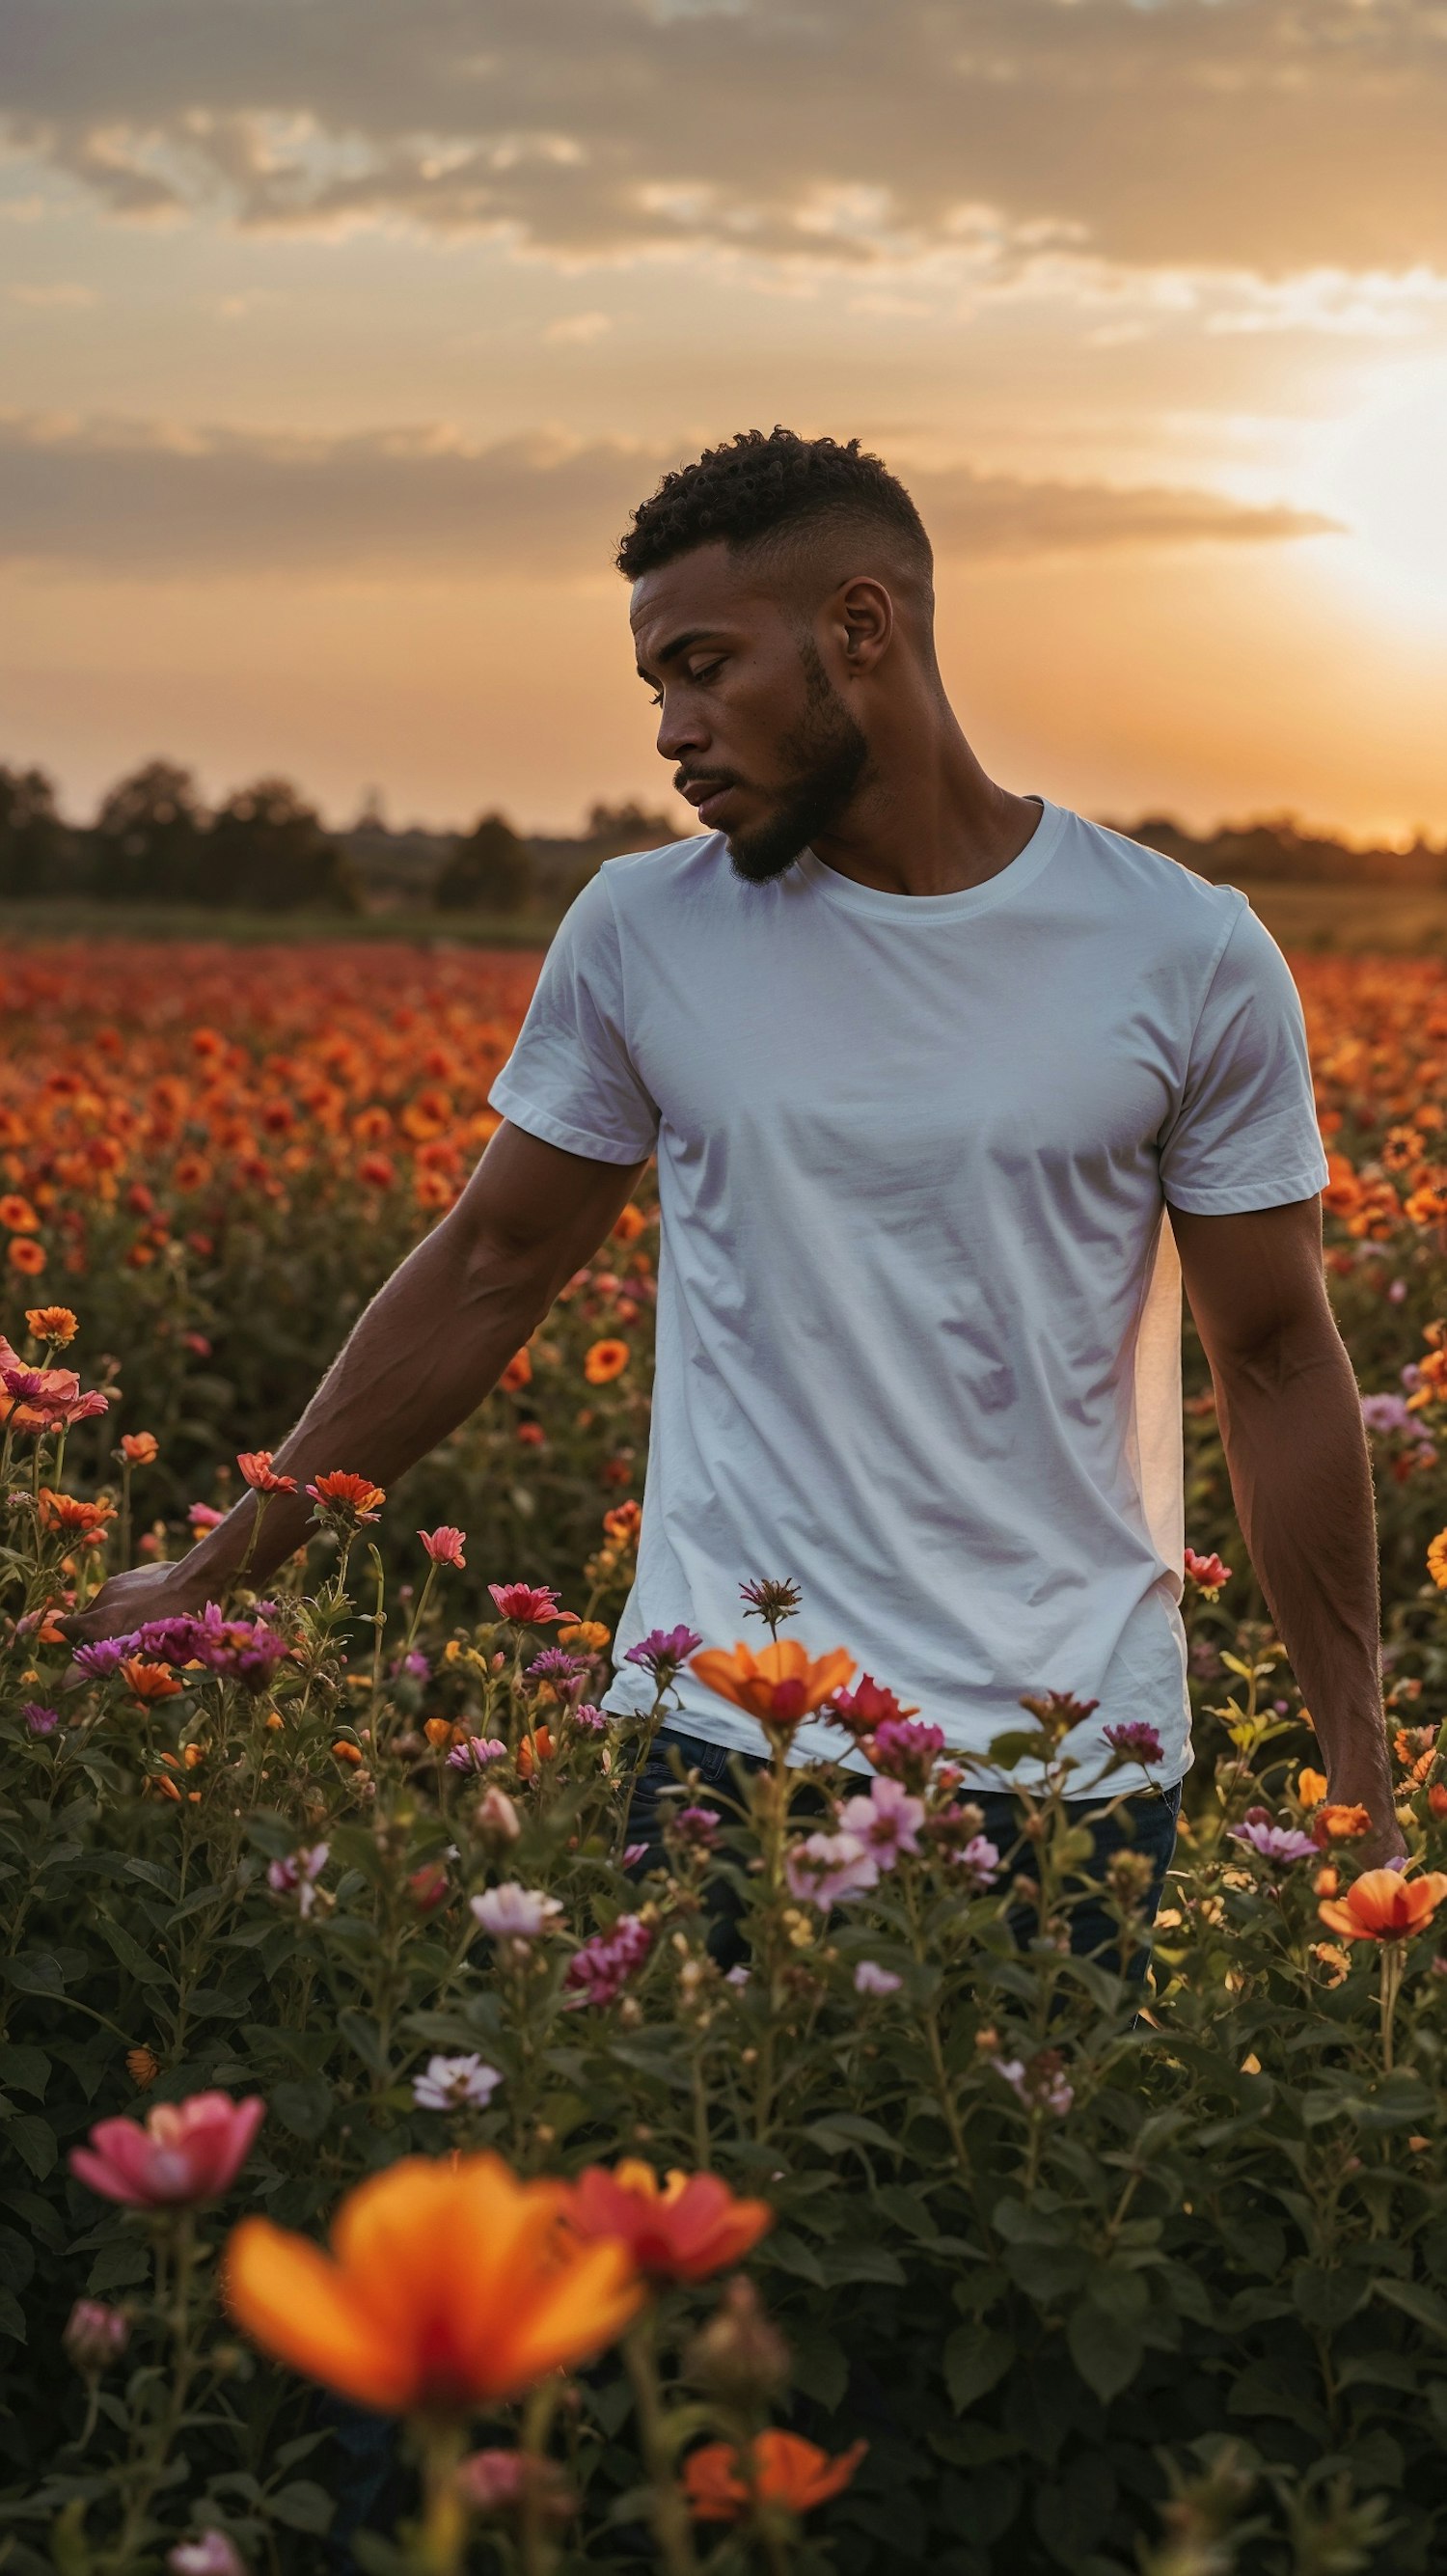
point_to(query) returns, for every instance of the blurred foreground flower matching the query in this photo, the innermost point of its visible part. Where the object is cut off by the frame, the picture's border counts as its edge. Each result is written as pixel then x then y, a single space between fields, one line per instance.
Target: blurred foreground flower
pixel 449 2286
pixel 187 2151
pixel 682 2229
pixel 1383 1905
pixel 786 2470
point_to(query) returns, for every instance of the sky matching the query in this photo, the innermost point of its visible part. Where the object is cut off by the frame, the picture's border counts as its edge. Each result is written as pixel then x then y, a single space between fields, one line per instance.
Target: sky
pixel 338 338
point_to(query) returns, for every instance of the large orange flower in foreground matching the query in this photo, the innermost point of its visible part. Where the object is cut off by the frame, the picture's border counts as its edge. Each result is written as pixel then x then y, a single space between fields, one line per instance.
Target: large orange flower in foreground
pixel 680 2230
pixel 779 1685
pixel 1383 1905
pixel 449 2286
pixel 787 2470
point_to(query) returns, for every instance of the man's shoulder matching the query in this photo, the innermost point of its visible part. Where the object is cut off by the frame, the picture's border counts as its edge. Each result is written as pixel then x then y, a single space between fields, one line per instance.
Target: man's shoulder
pixel 1149 885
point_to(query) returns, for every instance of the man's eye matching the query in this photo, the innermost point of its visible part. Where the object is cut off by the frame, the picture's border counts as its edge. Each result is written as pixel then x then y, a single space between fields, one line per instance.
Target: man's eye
pixel 710 671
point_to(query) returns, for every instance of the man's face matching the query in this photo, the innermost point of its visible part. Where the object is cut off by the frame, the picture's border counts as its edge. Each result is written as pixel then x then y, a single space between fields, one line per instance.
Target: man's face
pixel 766 749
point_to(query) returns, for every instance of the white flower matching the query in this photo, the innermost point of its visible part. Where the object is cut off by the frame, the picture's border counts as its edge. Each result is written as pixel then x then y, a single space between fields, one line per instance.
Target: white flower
pixel 451 2082
pixel 211 2555
pixel 519 1912
pixel 871 1979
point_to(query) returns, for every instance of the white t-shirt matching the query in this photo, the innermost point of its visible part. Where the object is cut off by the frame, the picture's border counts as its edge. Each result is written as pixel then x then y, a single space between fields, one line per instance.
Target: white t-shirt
pixel 918 1326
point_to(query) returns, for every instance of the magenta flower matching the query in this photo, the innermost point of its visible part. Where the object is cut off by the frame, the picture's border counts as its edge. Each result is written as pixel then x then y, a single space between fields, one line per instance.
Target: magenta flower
pixel 1136 1742
pixel 1275 1842
pixel 444 1544
pixel 887 1822
pixel 599 1970
pixel 297 1876
pixel 203 1517
pixel 187 2151
pixel 95 2335
pixel 39 1720
pixel 530 1604
pixel 589 1720
pixel 697 1827
pixel 663 1650
pixel 475 1752
pixel 905 1750
pixel 827 1869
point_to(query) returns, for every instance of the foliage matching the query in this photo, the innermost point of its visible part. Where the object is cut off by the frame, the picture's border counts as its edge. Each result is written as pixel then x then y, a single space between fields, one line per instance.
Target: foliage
pixel 490 870
pixel 1098 2294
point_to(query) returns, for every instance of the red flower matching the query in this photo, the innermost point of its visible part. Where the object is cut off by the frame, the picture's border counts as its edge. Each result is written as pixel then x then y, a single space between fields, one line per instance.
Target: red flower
pixel 256 1467
pixel 529 1603
pixel 788 2471
pixel 346 1499
pixel 1207 1573
pixel 681 2230
pixel 187 2151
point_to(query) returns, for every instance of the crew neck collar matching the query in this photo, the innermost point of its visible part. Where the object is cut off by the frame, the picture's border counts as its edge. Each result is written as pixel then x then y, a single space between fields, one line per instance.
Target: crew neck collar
pixel 878 905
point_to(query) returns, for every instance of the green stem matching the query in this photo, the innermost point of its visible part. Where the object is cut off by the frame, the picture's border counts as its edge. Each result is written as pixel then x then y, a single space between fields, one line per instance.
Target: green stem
pixel 442 2541
pixel 667 2510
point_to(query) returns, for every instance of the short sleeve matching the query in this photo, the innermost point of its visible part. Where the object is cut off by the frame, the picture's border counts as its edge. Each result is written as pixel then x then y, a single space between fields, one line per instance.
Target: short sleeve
pixel 570 1078
pixel 1245 1134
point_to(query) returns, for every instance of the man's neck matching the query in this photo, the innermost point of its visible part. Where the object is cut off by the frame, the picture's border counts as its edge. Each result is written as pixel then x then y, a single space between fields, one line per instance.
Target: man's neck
pixel 928 820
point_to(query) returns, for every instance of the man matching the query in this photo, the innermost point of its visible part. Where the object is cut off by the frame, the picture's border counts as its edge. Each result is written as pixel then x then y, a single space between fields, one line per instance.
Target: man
pixel 948 1088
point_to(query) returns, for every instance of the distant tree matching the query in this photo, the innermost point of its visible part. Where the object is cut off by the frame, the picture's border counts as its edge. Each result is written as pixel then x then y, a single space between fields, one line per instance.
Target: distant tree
pixel 630 827
pixel 34 843
pixel 268 851
pixel 491 870
pixel 149 837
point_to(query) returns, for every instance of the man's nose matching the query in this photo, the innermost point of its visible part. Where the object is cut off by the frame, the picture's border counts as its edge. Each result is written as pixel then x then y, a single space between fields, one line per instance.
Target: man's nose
pixel 680 730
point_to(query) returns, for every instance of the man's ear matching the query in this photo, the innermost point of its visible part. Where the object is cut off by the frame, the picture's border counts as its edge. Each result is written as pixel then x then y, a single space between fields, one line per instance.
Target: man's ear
pixel 863 617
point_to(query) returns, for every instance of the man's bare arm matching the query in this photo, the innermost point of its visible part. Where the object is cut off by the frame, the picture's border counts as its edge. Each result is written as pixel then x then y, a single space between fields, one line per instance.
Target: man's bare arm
pixel 432 1343
pixel 1291 1423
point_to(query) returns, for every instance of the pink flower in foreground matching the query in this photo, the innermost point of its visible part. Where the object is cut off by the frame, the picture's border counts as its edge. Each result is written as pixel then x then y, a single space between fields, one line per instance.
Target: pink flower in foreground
pixel 444 1544
pixel 529 1603
pixel 1207 1573
pixel 187 2151
pixel 826 1869
pixel 887 1822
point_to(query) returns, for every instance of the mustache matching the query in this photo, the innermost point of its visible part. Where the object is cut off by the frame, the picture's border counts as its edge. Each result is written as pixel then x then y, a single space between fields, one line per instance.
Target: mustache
pixel 703 778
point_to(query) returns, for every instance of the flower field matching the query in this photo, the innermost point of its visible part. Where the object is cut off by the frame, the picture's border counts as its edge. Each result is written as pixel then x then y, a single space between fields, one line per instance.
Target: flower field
pixel 405 2171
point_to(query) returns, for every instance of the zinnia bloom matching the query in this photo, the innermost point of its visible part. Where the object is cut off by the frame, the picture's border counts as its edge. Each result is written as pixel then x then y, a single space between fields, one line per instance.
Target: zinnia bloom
pixel 787 2471
pixel 1207 1573
pixel 26 1256
pixel 827 1869
pixel 604 1360
pixel 887 1822
pixel 448 2286
pixel 52 1323
pixel 779 1685
pixel 1336 1823
pixel 139 1448
pixel 346 1499
pixel 1437 1560
pixel 530 1604
pixel 1384 1905
pixel 68 1514
pixel 187 2151
pixel 257 1469
pixel 683 2229
pixel 444 1545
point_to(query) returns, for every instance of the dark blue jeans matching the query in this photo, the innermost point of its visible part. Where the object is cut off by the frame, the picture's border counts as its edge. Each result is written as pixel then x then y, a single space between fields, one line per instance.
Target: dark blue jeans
pixel 1145 1824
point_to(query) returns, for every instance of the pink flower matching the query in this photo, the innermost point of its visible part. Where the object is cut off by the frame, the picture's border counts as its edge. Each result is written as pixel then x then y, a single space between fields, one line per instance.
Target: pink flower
pixel 887 1822
pixel 1207 1573
pixel 1136 1742
pixel 187 2151
pixel 475 1752
pixel 1274 1842
pixel 826 1869
pixel 871 1979
pixel 212 2555
pixel 1041 2084
pixel 297 1876
pixel 95 2335
pixel 529 1603
pixel 444 1544
pixel 600 1969
pixel 203 1518
pixel 514 1912
pixel 906 1752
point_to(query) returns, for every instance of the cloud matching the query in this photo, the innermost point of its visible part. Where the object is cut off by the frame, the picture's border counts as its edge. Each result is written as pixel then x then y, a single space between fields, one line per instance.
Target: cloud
pixel 1265 135
pixel 135 499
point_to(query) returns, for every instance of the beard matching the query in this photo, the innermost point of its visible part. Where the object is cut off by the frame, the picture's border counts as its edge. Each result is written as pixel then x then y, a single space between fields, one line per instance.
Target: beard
pixel 826 756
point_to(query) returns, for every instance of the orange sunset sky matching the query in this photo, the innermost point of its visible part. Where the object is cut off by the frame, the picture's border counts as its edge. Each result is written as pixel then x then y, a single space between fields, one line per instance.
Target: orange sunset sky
pixel 337 338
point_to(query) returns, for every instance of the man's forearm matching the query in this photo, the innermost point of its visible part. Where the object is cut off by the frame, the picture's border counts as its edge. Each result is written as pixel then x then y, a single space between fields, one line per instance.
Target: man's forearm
pixel 1291 1422
pixel 432 1343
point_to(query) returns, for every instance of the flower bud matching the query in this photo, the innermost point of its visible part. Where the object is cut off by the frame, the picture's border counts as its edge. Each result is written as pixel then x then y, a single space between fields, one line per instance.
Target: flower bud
pixel 738 2356
pixel 95 2336
pixel 212 2554
pixel 500 2482
pixel 495 1818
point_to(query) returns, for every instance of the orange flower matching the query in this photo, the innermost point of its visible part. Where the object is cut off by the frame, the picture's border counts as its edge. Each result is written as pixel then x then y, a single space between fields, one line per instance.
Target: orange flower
pixel 1437 1560
pixel 17 1214
pixel 787 2470
pixel 138 1448
pixel 591 1633
pixel 1385 1905
pixel 546 1750
pixel 1437 1799
pixel 680 2230
pixel 604 1360
pixel 1334 1823
pixel 624 1520
pixel 148 1682
pixel 449 2286
pixel 518 1372
pixel 345 1498
pixel 26 1256
pixel 1310 1786
pixel 780 1684
pixel 346 1752
pixel 629 1223
pixel 258 1472
pixel 52 1323
pixel 66 1512
pixel 440 1731
pixel 143 2066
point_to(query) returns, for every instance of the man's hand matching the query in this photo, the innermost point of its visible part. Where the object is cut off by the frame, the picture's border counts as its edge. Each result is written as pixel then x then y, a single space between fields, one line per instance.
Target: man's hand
pixel 127 1601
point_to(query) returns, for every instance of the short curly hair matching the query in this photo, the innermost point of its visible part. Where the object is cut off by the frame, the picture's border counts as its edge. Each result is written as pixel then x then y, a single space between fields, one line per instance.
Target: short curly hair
pixel 765 484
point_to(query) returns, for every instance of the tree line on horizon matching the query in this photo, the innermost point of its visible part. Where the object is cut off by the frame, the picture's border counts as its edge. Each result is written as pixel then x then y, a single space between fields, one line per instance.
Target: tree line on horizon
pixel 153 840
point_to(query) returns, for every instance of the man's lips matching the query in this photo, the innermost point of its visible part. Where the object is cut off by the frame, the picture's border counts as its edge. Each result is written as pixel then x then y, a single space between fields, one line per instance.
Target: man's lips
pixel 706 795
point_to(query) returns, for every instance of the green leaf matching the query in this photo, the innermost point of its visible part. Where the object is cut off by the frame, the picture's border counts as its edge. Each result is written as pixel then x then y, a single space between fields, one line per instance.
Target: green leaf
pixel 119 2265
pixel 1327 2298
pixel 302 2506
pixel 34 2142
pixel 28 2069
pixel 975 2361
pixel 361 2033
pixel 146 1970
pixel 12 2317
pixel 1106 2348
pixel 305 2107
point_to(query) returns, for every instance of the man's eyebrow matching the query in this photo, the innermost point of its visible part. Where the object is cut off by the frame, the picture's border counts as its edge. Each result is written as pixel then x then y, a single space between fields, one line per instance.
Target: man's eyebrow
pixel 680 644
